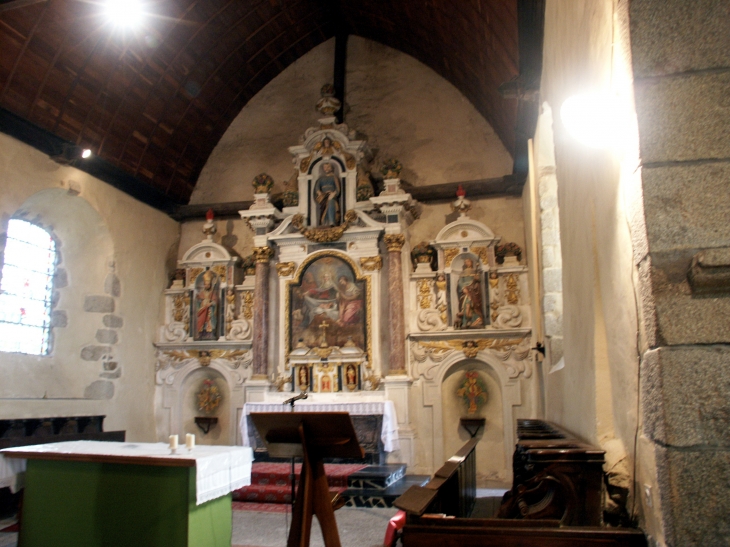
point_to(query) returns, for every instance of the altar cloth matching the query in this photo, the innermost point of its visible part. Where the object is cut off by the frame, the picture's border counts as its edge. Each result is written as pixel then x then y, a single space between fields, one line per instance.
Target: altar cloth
pixel 218 469
pixel 389 433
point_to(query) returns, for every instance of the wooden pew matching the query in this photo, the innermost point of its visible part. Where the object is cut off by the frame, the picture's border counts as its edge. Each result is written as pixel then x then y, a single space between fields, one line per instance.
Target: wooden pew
pixel 555 501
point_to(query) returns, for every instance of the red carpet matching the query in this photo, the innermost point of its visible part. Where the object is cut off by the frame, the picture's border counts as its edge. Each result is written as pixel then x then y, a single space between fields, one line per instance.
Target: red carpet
pixel 271 485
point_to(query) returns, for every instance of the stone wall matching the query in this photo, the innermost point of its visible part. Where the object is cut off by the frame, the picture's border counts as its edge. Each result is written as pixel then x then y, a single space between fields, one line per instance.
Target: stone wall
pixel 114 253
pixel 681 61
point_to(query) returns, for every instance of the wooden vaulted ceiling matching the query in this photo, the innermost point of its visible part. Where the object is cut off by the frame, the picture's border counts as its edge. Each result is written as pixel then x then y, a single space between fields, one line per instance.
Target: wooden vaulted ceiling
pixel 155 103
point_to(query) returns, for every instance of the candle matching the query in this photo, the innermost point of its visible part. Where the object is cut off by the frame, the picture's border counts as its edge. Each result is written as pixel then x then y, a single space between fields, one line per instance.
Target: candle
pixel 173 442
pixel 190 441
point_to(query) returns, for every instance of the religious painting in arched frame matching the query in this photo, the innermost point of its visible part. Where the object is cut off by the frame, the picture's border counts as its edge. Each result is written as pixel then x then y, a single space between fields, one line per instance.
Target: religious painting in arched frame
pixel 328 304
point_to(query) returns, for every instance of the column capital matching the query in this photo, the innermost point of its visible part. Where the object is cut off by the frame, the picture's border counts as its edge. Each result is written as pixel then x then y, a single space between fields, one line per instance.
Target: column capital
pixel 394 242
pixel 263 254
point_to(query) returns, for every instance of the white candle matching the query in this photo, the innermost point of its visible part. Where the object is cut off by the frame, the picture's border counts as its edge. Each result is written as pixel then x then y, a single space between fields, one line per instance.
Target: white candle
pixel 173 442
pixel 189 441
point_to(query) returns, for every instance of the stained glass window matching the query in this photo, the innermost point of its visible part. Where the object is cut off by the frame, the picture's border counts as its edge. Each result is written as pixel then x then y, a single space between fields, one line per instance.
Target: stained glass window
pixel 26 289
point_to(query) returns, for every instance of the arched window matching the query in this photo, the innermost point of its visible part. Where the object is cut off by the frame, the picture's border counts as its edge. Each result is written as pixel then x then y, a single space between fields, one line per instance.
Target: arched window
pixel 26 289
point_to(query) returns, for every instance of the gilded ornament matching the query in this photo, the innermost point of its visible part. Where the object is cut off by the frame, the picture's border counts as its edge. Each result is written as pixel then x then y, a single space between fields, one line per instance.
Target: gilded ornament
pixel 285 269
pixel 424 294
pixel 248 305
pixel 178 307
pixel 371 263
pixel 325 352
pixel 194 273
pixel 472 347
pixel 305 164
pixel 209 397
pixel 481 252
pixel 262 183
pixel 394 242
pixel 350 161
pixel 221 271
pixel 493 280
pixel 501 251
pixel 450 255
pixel 324 234
pixel 262 254
pixel 473 391
pixel 513 291
pixel 328 104
pixel 391 169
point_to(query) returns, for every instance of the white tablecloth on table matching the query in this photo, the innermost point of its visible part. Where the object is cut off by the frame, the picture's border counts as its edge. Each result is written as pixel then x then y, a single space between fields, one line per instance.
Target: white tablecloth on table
pixel 389 433
pixel 218 469
pixel 12 473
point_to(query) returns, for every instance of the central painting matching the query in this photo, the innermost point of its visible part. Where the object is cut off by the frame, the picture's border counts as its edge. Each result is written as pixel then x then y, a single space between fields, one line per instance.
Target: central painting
pixel 328 306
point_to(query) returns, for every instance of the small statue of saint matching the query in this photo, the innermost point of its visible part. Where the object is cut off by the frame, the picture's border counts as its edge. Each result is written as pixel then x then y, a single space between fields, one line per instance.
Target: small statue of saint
pixel 327 194
pixel 206 306
pixel 469 292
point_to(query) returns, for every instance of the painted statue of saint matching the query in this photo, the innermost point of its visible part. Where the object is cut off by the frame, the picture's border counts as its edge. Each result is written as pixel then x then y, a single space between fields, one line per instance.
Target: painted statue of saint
pixel 327 194
pixel 206 307
pixel 469 292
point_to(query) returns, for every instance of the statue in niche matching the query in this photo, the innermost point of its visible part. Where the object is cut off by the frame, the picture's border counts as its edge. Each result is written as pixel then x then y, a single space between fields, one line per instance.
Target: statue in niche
pixel 351 377
pixel 327 195
pixel 469 292
pixel 206 306
pixel 303 378
pixel 329 293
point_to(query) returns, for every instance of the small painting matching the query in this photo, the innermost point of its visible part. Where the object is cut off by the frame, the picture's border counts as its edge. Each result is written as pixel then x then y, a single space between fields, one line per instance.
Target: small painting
pixel 325 384
pixel 328 306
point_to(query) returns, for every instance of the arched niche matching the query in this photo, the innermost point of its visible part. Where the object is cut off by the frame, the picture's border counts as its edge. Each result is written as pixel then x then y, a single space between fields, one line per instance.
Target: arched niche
pixel 178 399
pixel 490 453
pixel 510 394
pixel 198 380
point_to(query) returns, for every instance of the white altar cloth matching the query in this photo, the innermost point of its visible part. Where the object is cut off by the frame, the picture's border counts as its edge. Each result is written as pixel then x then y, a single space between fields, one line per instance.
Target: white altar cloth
pixel 12 472
pixel 218 469
pixel 389 433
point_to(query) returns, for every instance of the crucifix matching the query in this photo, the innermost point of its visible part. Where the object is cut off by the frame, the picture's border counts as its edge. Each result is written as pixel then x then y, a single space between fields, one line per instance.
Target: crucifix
pixel 323 325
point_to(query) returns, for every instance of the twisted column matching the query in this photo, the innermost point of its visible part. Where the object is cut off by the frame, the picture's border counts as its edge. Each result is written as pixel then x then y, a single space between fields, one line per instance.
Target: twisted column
pixel 261 313
pixel 397 362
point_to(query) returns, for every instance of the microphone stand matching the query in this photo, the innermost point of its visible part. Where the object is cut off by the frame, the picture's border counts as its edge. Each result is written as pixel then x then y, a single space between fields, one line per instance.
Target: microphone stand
pixel 290 402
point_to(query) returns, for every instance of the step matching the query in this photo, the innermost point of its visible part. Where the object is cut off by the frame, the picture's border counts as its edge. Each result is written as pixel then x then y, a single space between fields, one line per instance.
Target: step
pixel 377 477
pixel 382 497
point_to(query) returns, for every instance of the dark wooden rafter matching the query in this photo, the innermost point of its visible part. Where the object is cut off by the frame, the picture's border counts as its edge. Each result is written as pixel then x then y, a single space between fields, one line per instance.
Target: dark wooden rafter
pixel 233 102
pixel 211 76
pixel 65 71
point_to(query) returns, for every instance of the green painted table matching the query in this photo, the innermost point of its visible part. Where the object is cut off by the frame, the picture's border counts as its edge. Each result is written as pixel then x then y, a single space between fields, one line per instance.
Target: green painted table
pixel 80 494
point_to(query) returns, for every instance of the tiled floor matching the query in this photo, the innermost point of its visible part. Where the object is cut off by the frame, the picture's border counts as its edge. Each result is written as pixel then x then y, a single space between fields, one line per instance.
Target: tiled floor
pixel 358 527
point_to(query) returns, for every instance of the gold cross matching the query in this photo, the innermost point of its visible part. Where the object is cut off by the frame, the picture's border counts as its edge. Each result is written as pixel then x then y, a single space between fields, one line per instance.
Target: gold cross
pixel 323 325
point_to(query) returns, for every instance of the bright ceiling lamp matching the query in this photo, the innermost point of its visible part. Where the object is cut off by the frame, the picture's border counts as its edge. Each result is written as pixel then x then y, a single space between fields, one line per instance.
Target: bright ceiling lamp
pixel 124 13
pixel 596 119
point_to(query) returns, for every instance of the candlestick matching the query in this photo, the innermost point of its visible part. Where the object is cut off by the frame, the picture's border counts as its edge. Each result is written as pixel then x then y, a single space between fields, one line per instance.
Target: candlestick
pixel 173 442
pixel 190 441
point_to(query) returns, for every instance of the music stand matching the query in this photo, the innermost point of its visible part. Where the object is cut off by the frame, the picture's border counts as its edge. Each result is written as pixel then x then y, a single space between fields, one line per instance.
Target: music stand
pixel 311 436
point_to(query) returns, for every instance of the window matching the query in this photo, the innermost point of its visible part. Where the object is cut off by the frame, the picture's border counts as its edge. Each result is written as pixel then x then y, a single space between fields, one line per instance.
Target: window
pixel 26 289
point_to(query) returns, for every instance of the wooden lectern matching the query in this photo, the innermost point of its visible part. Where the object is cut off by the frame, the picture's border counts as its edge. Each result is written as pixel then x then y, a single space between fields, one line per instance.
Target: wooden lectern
pixel 311 436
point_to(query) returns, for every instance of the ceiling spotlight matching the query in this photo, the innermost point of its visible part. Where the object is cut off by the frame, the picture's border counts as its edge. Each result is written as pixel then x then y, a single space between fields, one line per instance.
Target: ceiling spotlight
pixel 124 13
pixel 86 153
pixel 595 119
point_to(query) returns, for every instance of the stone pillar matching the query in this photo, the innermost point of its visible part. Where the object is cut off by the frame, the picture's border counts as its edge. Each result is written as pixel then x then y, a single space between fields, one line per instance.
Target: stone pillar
pixel 683 114
pixel 397 361
pixel 261 313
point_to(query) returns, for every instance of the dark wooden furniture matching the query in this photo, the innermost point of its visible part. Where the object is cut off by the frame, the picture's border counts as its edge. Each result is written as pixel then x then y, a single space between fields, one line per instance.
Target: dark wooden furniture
pixel 311 436
pixel 556 476
pixel 29 431
pixel 515 533
pixel 451 491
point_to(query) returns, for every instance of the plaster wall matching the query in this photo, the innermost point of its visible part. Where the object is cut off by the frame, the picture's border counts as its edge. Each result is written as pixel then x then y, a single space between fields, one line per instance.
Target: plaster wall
pixel 405 109
pixel 103 232
pixel 595 393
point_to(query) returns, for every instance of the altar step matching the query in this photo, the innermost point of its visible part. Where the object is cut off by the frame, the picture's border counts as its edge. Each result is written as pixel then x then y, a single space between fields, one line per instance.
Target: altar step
pixel 359 485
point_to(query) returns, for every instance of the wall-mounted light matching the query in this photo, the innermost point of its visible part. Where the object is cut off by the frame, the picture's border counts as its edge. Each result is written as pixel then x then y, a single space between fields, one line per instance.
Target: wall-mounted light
pixel 86 153
pixel 596 119
pixel 69 154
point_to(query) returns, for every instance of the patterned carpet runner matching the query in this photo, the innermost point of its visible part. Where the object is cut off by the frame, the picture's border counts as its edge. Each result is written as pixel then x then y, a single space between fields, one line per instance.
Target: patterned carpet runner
pixel 271 484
